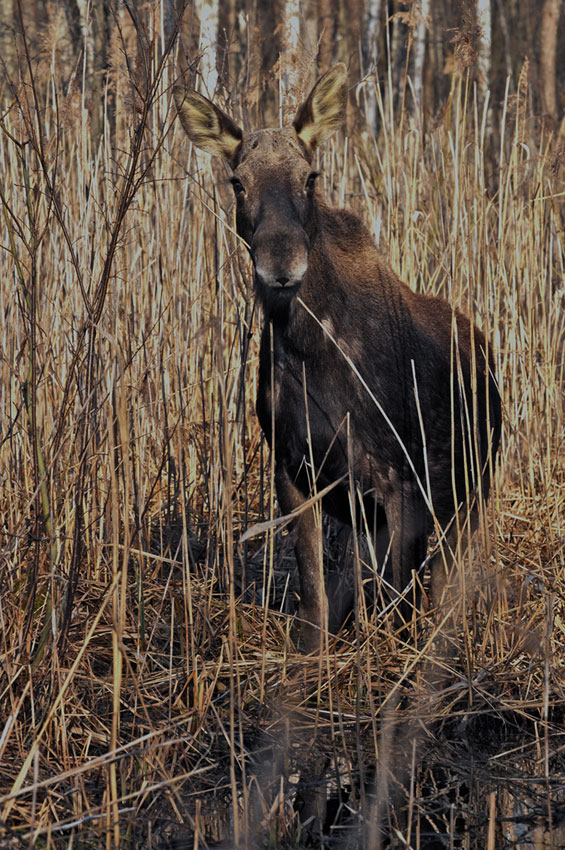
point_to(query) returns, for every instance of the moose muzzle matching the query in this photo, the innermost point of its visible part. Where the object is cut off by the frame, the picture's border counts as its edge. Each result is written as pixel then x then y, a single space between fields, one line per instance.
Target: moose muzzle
pixel 280 257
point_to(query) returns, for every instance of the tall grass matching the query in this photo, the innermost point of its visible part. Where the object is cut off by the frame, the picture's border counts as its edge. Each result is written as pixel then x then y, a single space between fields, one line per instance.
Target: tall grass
pixel 148 671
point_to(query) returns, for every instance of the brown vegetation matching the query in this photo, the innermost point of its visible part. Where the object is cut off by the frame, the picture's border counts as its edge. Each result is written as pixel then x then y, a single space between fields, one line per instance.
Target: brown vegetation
pixel 149 684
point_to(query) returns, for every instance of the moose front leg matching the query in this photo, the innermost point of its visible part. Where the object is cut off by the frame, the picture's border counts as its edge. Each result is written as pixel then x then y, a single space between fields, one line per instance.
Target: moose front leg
pixel 313 610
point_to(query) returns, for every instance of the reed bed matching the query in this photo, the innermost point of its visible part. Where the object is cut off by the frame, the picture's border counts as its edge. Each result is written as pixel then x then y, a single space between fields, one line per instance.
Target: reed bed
pixel 150 686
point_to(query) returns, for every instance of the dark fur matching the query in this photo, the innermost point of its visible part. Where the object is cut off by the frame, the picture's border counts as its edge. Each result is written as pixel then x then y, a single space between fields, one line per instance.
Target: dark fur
pixel 384 326
pixel 329 259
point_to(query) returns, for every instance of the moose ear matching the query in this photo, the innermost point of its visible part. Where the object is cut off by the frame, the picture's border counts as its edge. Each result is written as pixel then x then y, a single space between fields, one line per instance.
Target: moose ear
pixel 207 126
pixel 323 111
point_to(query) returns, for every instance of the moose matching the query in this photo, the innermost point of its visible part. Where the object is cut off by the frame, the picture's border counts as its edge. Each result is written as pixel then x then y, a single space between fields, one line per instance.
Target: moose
pixel 365 386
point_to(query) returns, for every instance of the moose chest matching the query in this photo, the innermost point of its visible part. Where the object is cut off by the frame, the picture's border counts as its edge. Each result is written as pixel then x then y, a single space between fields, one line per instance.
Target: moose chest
pixel 297 402
pixel 312 409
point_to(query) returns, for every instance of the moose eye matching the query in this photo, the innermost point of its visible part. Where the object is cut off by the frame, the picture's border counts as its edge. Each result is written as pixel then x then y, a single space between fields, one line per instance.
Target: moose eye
pixel 311 182
pixel 238 187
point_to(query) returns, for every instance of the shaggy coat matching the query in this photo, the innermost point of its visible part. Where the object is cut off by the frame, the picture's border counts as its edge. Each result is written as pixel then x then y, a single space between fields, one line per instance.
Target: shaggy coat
pixel 362 382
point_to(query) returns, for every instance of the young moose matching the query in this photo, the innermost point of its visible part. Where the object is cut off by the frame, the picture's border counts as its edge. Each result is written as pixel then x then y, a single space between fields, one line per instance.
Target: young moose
pixel 360 378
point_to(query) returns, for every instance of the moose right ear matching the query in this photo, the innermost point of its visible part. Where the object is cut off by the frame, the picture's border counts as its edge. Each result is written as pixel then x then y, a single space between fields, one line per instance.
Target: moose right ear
pixel 208 127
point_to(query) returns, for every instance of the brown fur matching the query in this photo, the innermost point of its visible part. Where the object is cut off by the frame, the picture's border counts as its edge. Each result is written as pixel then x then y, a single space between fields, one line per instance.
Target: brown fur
pixel 352 407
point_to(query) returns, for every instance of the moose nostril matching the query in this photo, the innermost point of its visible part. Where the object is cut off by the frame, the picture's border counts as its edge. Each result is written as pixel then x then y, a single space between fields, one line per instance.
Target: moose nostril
pixel 283 280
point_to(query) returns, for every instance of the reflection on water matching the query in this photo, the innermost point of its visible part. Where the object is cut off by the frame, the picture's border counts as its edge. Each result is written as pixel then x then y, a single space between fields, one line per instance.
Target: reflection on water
pixel 308 797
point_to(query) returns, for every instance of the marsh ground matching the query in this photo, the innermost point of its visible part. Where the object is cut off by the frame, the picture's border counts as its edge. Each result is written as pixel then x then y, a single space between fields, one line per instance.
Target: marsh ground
pixel 151 693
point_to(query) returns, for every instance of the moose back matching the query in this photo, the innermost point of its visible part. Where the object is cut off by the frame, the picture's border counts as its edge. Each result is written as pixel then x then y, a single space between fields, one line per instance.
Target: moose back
pixel 363 383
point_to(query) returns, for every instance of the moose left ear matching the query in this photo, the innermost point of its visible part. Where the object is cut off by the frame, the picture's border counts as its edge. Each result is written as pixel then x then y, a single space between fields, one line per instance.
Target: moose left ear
pixel 323 111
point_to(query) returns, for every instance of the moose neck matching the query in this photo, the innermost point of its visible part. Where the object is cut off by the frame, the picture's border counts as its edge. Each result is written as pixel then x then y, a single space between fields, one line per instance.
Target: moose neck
pixel 344 265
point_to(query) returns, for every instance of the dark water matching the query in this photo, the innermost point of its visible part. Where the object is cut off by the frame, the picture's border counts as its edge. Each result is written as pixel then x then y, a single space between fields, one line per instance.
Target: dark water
pixel 473 788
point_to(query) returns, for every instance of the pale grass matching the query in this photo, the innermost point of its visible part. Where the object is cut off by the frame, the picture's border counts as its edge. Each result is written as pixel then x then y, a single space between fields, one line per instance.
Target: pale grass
pixel 171 662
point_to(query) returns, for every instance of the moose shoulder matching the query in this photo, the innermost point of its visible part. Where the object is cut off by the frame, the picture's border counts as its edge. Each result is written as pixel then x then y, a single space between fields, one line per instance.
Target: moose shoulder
pixel 361 379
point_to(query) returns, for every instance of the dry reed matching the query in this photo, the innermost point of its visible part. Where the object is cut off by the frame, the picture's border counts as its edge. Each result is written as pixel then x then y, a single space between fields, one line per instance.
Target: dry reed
pixel 148 674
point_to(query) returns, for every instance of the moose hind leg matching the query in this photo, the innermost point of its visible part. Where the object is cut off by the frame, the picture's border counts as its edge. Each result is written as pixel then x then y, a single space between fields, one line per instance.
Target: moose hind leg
pixel 313 610
pixel 452 554
pixel 407 523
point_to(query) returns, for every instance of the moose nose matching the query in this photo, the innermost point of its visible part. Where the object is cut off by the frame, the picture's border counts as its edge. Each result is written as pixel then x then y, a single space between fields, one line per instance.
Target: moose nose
pixel 283 280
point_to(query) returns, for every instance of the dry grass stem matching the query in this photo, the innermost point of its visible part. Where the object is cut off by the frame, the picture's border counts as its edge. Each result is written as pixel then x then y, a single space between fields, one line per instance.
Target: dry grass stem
pixel 150 685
